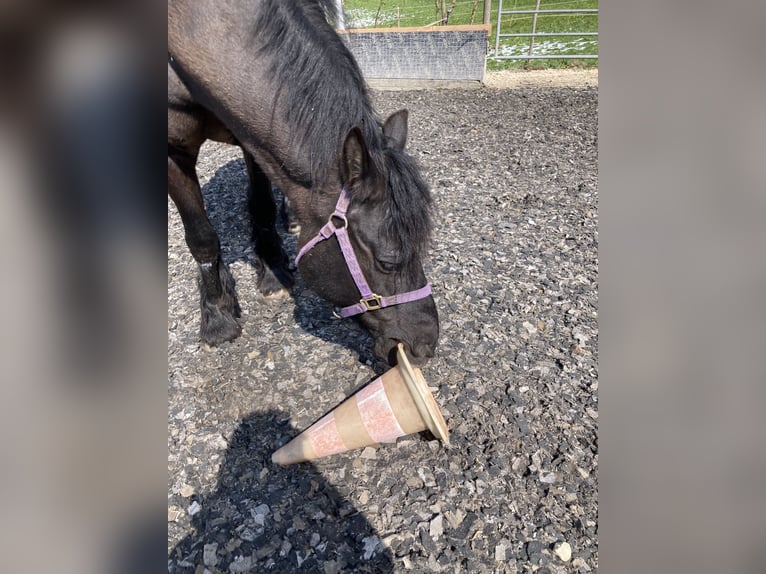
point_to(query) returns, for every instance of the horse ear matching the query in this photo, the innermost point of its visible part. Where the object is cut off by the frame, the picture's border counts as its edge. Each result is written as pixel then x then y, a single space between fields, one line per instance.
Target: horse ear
pixel 355 157
pixel 395 128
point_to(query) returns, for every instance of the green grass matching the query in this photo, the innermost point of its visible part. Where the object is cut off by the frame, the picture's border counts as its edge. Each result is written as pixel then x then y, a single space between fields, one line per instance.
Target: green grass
pixel 405 13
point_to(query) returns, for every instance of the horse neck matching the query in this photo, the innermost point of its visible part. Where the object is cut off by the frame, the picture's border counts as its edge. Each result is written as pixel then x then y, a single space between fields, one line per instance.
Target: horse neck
pixel 311 131
pixel 316 88
pixel 306 165
pixel 289 94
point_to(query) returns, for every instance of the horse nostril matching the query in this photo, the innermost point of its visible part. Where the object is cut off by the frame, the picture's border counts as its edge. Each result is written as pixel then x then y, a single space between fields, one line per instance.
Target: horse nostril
pixel 393 358
pixel 418 354
pixel 424 351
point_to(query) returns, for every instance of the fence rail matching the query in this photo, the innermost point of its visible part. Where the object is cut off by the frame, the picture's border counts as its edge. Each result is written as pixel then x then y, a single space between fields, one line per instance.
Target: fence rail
pixel 534 34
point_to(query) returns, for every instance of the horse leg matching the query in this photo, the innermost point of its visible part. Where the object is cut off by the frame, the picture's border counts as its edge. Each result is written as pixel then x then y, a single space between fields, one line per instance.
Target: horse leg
pixel 274 274
pixel 218 300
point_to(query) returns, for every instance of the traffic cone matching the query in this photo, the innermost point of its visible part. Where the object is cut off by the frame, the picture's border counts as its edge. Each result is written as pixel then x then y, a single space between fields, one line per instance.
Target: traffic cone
pixel 395 404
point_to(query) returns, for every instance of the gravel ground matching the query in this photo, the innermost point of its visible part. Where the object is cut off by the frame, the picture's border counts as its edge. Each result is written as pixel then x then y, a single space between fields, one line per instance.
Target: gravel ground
pixel 514 270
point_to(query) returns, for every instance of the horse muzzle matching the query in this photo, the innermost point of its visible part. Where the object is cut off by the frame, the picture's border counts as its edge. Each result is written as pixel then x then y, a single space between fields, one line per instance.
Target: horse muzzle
pixel 418 353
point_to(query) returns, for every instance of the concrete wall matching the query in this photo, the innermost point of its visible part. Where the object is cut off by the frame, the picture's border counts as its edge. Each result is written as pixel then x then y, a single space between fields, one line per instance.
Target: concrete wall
pixel 435 53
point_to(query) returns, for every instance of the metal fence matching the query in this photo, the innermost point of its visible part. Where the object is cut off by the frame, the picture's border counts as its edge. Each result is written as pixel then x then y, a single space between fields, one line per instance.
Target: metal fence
pixel 534 34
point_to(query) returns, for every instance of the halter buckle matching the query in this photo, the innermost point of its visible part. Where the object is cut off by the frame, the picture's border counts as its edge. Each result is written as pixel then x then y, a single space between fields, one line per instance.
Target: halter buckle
pixel 372 303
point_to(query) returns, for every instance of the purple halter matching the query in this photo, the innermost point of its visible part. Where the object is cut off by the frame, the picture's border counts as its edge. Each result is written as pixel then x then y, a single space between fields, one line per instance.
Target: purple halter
pixel 369 301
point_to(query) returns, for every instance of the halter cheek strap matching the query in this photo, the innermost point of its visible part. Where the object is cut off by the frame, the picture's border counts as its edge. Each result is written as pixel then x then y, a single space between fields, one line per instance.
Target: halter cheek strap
pixel 370 301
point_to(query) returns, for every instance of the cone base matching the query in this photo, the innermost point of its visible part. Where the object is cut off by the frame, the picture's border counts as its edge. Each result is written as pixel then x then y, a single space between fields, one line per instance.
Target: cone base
pixel 422 397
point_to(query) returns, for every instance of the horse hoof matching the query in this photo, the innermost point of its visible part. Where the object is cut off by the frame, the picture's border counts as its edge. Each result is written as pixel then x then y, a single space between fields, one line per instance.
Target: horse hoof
pixel 274 289
pixel 218 326
pixel 275 283
pixel 277 295
pixel 222 334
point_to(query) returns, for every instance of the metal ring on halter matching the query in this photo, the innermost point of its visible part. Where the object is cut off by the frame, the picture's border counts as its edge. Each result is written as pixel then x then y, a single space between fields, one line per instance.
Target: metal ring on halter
pixel 341 217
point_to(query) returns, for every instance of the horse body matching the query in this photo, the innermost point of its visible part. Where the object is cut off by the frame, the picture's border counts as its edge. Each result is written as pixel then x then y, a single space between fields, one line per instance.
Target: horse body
pixel 274 78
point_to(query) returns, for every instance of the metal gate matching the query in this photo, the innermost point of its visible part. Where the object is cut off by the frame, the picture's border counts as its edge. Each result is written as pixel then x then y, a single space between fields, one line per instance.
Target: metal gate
pixel 534 34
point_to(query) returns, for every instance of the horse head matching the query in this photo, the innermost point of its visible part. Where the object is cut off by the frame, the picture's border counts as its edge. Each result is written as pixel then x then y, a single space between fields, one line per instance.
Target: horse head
pixel 366 239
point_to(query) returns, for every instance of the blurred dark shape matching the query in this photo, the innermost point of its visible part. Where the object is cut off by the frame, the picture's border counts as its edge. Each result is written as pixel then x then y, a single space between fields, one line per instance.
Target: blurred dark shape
pixel 84 282
pixel 139 546
pixel 101 195
pixel 80 97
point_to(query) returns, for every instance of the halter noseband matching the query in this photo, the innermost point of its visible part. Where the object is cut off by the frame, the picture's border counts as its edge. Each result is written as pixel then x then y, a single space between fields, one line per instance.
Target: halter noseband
pixel 369 301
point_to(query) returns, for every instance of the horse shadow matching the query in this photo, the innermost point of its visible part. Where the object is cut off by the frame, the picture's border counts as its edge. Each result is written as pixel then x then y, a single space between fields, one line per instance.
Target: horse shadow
pixel 264 517
pixel 225 197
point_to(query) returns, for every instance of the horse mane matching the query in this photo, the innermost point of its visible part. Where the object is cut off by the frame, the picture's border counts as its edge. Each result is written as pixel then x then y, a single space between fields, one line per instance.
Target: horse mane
pixel 319 83
pixel 324 94
pixel 408 211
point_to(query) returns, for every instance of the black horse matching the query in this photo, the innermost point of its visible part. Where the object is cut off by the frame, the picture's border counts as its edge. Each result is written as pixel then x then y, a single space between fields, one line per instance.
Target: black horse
pixel 274 78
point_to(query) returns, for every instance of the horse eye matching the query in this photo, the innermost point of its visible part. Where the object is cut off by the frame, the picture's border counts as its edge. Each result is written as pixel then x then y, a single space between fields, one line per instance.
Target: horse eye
pixel 388 265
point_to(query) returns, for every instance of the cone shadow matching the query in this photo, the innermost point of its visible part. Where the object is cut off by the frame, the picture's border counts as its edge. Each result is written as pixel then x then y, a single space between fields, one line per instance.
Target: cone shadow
pixel 266 517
